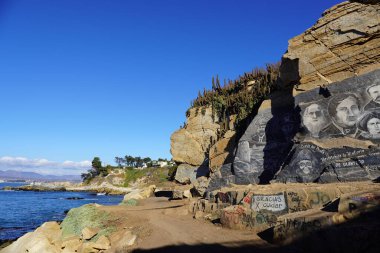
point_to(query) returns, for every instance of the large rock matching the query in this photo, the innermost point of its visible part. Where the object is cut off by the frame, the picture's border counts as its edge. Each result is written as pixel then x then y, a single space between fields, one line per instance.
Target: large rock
pixel 142 193
pixel 89 216
pixel 187 174
pixel 43 239
pixel 185 149
pixel 190 144
pixel 344 43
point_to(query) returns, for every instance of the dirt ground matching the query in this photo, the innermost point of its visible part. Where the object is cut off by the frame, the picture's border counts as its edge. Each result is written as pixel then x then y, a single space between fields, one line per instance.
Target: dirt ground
pixel 167 226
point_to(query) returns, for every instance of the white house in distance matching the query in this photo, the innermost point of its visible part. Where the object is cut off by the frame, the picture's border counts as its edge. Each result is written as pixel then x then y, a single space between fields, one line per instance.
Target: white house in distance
pixel 162 163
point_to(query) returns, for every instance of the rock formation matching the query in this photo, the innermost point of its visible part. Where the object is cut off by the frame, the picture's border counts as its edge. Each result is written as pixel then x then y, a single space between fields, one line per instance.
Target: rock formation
pixel 190 144
pixel 317 129
pixel 322 124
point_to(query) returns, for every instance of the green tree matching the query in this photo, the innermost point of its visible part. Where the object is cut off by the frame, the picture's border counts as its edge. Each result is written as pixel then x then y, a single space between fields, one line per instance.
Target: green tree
pixel 138 162
pixel 96 163
pixel 129 160
pixel 147 160
pixel 119 161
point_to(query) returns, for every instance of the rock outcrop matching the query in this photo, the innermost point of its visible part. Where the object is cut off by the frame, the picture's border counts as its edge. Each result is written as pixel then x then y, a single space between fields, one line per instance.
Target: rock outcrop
pixel 138 194
pixel 85 229
pixel 344 43
pixel 321 124
pixel 190 144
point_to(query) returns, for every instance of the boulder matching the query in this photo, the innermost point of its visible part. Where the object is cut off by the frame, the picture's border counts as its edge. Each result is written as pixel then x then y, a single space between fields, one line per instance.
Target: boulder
pixel 43 239
pixel 200 185
pixel 185 149
pixel 189 144
pixel 187 174
pixel 143 193
pixel 89 216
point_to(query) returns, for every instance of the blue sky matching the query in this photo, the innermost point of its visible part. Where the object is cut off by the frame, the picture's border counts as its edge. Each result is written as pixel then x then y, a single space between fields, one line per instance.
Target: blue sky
pixel 85 78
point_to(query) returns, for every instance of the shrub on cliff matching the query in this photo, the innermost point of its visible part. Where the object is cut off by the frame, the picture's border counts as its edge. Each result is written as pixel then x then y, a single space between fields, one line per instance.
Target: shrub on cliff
pixel 239 96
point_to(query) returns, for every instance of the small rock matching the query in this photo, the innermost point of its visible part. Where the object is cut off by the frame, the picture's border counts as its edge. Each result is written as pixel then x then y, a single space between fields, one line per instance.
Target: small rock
pixel 187 194
pixel 74 198
pixel 200 185
pixel 72 244
pixel 177 194
pixel 102 243
pixel 198 215
pixel 88 233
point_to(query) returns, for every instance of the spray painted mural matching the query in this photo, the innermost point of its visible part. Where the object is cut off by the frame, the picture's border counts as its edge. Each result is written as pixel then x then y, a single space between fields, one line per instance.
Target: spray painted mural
pixel 279 141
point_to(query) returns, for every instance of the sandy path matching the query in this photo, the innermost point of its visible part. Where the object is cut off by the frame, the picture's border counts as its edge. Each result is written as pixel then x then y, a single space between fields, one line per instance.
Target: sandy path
pixel 161 223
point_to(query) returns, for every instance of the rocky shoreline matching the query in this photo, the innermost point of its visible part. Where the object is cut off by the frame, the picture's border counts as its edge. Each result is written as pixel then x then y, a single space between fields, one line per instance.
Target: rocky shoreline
pixel 291 210
pixel 104 187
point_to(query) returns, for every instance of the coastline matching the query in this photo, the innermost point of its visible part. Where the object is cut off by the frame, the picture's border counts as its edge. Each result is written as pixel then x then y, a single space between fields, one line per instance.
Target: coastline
pixel 104 187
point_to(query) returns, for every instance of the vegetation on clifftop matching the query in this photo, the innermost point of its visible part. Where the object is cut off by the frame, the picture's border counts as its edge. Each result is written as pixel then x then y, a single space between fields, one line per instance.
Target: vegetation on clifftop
pixel 238 97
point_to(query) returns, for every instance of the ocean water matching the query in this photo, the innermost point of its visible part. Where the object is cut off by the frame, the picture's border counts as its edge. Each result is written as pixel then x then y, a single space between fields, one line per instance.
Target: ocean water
pixel 24 211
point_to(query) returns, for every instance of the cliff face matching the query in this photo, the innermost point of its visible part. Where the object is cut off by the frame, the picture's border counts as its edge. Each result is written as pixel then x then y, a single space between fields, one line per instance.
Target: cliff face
pixel 344 43
pixel 323 122
pixel 191 144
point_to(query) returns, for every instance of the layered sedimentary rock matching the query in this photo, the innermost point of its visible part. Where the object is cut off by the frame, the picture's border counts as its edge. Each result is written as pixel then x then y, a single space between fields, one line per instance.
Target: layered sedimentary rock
pixel 191 143
pixel 344 43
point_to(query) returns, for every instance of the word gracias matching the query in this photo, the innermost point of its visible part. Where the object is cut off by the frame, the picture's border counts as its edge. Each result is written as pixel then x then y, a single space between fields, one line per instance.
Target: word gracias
pixel 274 203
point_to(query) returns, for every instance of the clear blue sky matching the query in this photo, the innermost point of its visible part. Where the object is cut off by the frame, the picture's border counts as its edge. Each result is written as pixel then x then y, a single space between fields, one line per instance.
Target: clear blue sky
pixel 85 78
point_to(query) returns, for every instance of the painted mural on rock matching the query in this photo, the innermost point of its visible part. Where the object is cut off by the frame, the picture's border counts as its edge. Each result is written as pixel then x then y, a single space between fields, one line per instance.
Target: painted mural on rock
pixel 350 108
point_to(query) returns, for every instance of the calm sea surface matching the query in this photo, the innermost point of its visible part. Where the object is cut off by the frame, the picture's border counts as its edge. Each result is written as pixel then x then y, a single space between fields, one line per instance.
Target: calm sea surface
pixel 21 212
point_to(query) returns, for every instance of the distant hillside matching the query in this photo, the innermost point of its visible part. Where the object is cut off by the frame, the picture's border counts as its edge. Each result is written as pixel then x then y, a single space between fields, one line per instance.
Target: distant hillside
pixel 24 175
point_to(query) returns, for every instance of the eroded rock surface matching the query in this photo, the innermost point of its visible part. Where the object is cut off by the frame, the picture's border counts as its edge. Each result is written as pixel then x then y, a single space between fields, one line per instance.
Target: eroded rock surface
pixel 343 43
pixel 189 144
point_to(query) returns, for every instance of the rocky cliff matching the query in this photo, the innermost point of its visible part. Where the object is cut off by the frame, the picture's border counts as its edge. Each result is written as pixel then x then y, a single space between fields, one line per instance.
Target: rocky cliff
pixel 322 124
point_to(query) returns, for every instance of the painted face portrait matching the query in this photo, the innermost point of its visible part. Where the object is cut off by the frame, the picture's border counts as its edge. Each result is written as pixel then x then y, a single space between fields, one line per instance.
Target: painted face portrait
pixel 373 126
pixel 314 119
pixel 374 93
pixel 347 112
pixel 260 125
pixel 304 163
pixel 369 125
pixel 305 166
